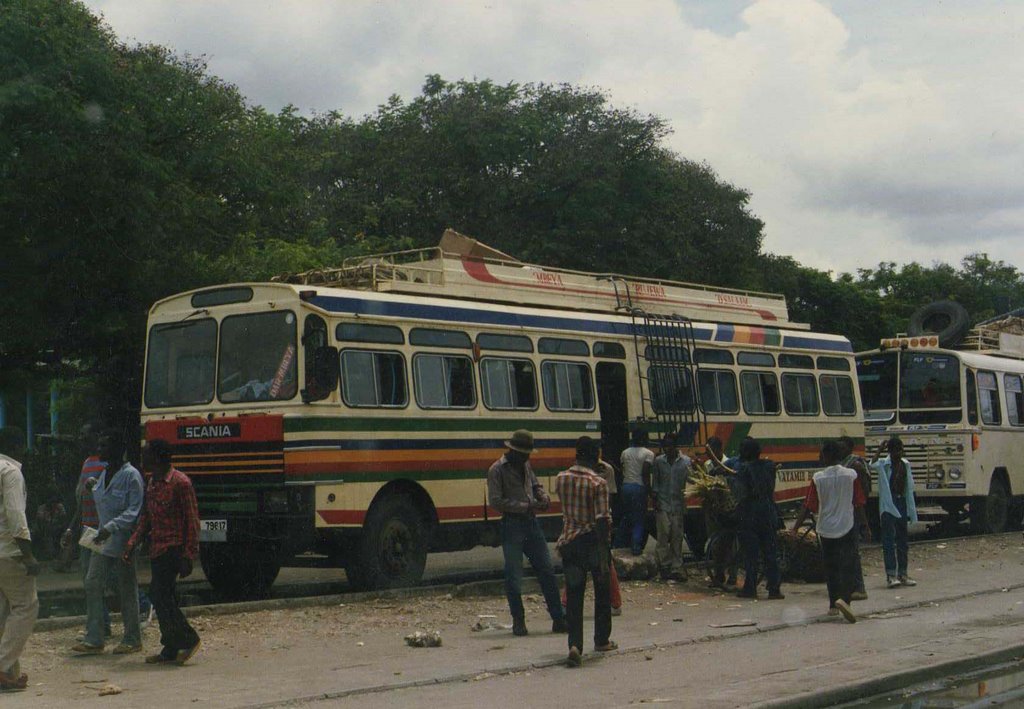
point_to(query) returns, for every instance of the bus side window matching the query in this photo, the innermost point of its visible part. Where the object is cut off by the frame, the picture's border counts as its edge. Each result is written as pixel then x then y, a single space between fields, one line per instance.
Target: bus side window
pixel 718 391
pixel 1014 399
pixel 321 360
pixel 837 395
pixel 371 378
pixel 800 394
pixel 508 383
pixel 988 396
pixel 972 399
pixel 760 392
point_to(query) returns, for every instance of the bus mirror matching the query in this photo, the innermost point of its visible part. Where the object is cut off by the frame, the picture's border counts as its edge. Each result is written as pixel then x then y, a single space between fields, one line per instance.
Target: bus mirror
pixel 322 377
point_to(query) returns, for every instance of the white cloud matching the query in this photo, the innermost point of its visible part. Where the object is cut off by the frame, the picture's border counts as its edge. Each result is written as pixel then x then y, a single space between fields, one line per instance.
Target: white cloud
pixel 864 131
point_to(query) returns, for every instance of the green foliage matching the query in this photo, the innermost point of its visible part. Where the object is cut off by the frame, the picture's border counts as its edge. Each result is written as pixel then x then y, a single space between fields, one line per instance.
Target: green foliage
pixel 128 173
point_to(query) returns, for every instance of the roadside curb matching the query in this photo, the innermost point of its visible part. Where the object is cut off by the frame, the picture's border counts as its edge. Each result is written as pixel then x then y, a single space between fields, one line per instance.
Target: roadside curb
pixel 464 590
pixel 850 691
pixel 860 690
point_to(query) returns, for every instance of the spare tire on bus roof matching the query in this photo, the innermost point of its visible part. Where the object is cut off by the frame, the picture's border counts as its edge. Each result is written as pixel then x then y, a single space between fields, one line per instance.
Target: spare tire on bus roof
pixel 944 318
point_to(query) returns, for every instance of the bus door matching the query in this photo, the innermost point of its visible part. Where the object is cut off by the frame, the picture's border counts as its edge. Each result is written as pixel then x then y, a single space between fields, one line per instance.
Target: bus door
pixel 614 409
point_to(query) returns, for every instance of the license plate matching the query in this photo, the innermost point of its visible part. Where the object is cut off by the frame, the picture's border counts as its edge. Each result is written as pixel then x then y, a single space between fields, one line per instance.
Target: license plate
pixel 213 530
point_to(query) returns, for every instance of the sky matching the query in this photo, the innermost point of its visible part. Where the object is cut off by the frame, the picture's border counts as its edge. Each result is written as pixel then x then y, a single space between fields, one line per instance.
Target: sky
pixel 865 130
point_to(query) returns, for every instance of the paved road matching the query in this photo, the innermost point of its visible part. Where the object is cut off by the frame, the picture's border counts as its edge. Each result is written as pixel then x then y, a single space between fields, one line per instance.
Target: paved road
pixel 699 655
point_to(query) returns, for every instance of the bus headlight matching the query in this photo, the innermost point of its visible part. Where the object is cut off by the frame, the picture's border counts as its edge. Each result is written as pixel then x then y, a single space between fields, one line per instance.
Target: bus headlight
pixel 939 471
pixel 955 472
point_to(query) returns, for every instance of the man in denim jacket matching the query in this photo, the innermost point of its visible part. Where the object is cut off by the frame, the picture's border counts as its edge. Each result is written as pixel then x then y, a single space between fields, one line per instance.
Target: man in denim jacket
pixel 897 509
pixel 118 493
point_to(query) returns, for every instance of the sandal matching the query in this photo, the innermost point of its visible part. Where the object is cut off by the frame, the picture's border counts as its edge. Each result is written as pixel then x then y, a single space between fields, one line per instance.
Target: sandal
pixel 611 645
pixel 11 683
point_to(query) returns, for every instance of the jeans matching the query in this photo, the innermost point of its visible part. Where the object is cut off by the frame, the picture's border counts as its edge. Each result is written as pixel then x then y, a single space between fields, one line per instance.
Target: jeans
pixel 84 557
pixel 522 535
pixel 579 557
pixel 101 568
pixel 759 540
pixel 19 606
pixel 894 540
pixel 631 527
pixel 840 557
pixel 175 631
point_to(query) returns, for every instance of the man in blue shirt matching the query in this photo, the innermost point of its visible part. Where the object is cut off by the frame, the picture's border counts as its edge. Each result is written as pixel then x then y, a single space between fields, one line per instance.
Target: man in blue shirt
pixel 118 493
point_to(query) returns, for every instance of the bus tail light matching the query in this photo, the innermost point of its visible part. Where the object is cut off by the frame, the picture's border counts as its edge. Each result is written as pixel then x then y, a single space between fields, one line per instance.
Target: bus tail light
pixel 975 441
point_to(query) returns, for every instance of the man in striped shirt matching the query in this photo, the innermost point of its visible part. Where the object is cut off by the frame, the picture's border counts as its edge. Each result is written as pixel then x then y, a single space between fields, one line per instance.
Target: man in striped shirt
pixel 584 547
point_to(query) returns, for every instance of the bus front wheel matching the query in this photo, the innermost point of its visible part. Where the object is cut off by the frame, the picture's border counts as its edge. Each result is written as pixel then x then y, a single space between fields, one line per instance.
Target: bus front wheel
pixel 239 572
pixel 991 514
pixel 392 550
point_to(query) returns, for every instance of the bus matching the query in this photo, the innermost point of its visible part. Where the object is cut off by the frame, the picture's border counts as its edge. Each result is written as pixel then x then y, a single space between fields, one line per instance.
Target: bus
pixel 960 414
pixel 352 413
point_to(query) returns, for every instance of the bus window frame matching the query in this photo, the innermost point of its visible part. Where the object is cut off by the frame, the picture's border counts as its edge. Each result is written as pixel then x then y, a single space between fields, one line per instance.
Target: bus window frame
pixel 536 387
pixel 341 378
pixel 296 342
pixel 716 371
pixel 685 369
pixel 778 387
pixel 814 384
pixel 590 381
pixel 416 379
pixel 834 374
pixel 216 361
pixel 1018 398
pixel 995 406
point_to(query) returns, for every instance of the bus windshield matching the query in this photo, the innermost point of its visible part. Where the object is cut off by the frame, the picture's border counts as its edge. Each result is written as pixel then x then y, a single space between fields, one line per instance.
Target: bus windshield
pixel 876 374
pixel 257 359
pixel 929 381
pixel 180 363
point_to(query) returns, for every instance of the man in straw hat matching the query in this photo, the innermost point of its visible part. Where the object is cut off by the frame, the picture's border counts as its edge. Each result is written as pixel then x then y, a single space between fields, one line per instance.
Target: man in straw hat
pixel 515 492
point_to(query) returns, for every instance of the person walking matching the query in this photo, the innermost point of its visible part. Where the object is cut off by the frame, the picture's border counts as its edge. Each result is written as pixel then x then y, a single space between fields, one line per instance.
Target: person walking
pixel 584 547
pixel 759 520
pixel 170 523
pixel 668 483
pixel 897 509
pixel 117 492
pixel 836 497
pixel 85 511
pixel 514 491
pixel 19 603
pixel 637 462
pixel 607 472
pixel 858 465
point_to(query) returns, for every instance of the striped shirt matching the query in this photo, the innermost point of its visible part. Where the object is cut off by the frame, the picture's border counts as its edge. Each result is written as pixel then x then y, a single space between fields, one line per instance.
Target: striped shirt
pixel 91 468
pixel 584 496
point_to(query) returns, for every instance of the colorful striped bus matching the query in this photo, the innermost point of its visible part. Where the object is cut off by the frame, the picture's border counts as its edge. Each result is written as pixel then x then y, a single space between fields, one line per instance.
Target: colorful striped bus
pixel 354 412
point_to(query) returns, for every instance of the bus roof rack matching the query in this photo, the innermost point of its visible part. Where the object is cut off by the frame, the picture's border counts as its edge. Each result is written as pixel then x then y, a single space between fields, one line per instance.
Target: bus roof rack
pixel 1001 338
pixel 462 267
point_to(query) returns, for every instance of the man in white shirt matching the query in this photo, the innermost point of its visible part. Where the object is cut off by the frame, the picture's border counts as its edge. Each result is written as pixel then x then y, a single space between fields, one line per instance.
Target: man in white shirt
pixel 836 496
pixel 19 604
pixel 637 461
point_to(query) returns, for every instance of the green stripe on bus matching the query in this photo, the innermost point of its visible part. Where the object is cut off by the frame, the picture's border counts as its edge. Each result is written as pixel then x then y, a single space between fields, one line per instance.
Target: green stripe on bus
pixel 410 423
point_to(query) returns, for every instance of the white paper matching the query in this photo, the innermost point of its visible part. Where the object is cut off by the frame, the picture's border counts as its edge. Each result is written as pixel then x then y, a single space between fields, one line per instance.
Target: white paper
pixel 88 540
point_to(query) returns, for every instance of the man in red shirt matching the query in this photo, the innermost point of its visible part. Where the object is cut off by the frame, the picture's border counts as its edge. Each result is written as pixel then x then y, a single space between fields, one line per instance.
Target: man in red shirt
pixel 584 547
pixel 170 520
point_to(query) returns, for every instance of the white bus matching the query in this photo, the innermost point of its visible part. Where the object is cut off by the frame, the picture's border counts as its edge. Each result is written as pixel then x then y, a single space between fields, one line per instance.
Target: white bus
pixel 960 414
pixel 355 411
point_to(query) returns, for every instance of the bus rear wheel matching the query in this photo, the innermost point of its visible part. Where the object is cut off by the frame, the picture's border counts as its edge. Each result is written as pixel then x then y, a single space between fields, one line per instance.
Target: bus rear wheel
pixel 392 551
pixel 239 572
pixel 991 514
